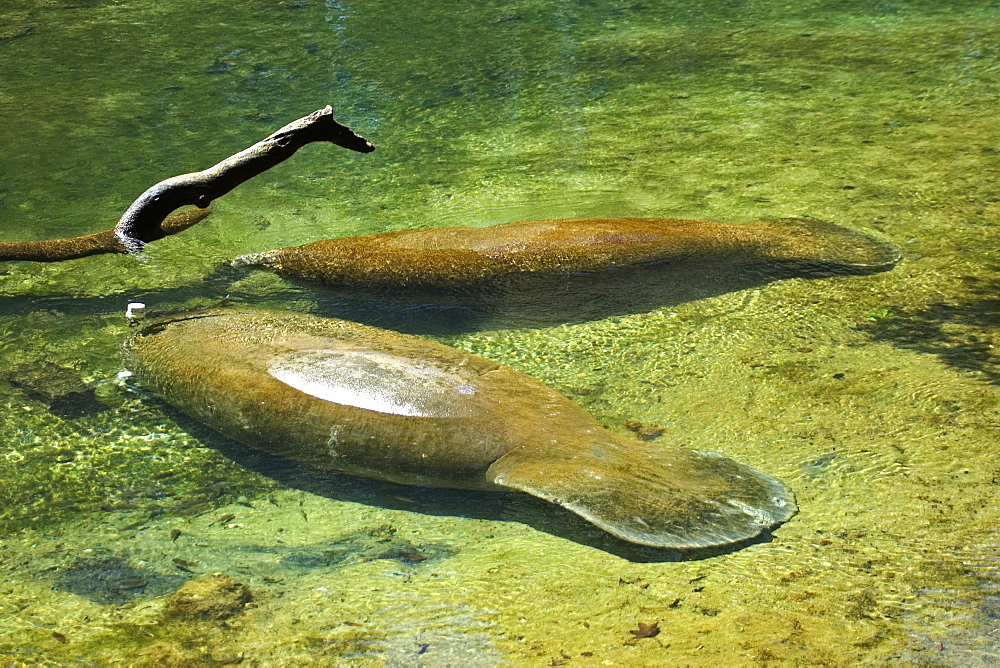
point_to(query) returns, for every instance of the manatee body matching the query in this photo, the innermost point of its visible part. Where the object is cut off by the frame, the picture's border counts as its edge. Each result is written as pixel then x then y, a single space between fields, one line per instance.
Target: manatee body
pixel 549 272
pixel 512 253
pixel 380 404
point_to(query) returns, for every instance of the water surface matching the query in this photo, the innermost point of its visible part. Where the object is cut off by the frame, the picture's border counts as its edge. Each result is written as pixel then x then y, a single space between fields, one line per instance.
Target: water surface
pixel 874 397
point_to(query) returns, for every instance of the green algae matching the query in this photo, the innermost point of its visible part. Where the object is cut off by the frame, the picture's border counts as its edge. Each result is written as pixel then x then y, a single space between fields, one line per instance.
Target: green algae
pixel 108 465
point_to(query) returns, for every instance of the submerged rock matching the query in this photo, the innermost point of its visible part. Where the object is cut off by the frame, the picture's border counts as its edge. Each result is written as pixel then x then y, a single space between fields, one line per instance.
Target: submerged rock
pixel 214 597
pixel 384 405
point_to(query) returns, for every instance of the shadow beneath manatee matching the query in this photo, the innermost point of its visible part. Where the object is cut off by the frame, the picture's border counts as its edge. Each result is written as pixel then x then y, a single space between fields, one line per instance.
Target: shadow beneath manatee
pixel 442 502
pixel 529 303
pixel 545 302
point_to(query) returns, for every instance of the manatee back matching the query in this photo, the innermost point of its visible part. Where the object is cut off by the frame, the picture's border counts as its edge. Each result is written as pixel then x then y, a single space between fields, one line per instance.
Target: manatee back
pixel 350 397
pixel 470 257
pixel 333 393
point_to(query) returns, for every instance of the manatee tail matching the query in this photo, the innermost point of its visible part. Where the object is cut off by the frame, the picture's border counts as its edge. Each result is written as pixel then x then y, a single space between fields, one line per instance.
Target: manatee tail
pixel 813 246
pixel 663 496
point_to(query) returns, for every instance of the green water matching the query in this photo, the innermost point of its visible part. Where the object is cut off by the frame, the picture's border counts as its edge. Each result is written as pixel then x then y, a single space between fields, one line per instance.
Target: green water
pixel 875 398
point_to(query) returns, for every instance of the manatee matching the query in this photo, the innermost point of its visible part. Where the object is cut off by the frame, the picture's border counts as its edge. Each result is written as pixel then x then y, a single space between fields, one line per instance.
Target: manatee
pixel 370 402
pixel 545 272
pixel 469 256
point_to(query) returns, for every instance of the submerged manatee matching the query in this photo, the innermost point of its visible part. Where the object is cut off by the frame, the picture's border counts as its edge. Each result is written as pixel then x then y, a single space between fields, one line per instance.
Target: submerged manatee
pixel 547 272
pixel 467 257
pixel 380 404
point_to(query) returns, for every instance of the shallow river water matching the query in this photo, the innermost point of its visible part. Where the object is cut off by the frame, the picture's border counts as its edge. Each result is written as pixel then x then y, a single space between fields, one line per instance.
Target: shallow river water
pixel 875 398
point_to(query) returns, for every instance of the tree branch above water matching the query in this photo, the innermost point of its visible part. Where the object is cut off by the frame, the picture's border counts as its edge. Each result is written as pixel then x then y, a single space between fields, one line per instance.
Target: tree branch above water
pixel 149 217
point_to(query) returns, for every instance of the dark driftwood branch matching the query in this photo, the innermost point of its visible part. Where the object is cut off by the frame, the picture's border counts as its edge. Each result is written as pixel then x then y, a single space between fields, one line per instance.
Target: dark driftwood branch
pixel 140 224
pixel 56 250
pixel 149 218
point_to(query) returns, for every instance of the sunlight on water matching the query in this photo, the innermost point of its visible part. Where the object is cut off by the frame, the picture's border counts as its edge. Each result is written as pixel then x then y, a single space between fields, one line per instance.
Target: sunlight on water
pixel 874 398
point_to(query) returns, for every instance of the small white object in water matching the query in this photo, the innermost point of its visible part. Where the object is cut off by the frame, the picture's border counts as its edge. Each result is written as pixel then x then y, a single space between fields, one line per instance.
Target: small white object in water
pixel 135 312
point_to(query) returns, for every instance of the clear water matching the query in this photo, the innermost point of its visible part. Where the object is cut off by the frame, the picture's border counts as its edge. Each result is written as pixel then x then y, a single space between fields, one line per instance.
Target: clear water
pixel 875 398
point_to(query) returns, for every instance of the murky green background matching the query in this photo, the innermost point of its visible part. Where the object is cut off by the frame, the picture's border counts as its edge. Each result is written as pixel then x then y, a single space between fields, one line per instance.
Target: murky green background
pixel 875 398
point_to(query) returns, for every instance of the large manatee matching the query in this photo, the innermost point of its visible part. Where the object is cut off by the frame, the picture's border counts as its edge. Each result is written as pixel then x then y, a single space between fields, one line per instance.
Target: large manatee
pixel 376 403
pixel 542 272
